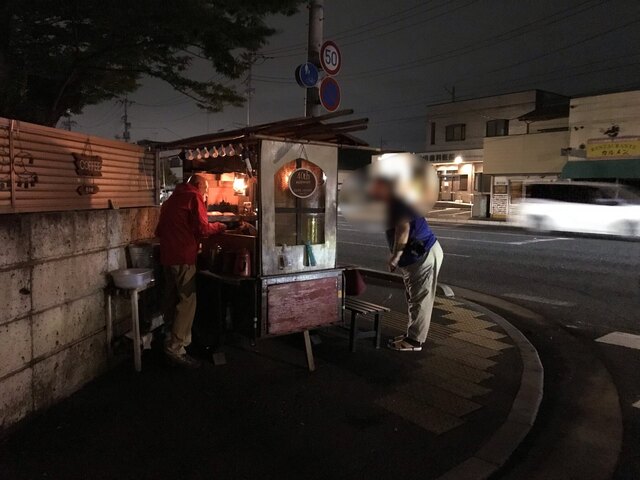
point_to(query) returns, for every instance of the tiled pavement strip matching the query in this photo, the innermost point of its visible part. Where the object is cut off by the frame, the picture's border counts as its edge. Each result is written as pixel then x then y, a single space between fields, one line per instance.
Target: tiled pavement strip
pixel 462 349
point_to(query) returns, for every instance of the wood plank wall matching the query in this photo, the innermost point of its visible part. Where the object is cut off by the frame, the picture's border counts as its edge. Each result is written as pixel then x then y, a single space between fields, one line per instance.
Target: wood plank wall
pixel 128 171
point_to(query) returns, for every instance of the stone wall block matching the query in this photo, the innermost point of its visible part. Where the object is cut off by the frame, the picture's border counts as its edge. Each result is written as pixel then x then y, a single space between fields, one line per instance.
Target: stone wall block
pixel 67 323
pixel 62 374
pixel 52 235
pixel 15 345
pixel 15 398
pixel 14 239
pixel 15 294
pixel 59 281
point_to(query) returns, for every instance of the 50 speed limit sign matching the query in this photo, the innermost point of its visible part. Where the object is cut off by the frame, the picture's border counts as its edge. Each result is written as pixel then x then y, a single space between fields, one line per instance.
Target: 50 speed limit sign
pixel 330 58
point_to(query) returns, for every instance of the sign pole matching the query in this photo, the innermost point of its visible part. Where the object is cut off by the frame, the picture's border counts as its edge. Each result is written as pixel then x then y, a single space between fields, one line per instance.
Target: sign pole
pixel 316 22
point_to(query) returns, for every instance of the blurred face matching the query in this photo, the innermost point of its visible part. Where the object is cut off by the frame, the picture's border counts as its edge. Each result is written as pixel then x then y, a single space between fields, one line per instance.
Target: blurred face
pixel 380 190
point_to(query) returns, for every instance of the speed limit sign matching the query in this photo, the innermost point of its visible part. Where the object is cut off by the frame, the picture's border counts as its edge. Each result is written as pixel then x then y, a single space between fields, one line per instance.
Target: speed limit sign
pixel 330 58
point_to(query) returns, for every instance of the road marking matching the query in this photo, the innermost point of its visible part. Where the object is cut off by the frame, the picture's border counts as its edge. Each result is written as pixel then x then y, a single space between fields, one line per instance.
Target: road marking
pixel 439 210
pixel 539 240
pixel 547 301
pixel 386 248
pixel 364 244
pixel 621 339
pixel 524 242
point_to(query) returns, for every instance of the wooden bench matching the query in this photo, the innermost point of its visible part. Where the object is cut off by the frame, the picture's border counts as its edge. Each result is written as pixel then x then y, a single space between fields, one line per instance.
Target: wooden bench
pixel 362 308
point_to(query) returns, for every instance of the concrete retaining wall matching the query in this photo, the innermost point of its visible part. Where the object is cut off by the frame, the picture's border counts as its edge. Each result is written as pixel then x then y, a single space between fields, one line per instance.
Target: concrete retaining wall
pixel 52 306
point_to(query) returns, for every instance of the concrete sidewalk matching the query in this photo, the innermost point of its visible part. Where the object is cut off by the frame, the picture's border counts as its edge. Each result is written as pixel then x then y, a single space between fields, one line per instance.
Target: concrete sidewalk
pixel 457 409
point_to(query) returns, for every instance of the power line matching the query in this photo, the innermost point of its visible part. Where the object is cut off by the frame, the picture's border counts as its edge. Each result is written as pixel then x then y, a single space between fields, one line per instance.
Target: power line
pixel 339 34
pixel 480 94
pixel 420 103
pixel 477 45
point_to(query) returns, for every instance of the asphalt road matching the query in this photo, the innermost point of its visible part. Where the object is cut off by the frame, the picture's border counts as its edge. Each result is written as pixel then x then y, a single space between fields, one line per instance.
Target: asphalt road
pixel 587 287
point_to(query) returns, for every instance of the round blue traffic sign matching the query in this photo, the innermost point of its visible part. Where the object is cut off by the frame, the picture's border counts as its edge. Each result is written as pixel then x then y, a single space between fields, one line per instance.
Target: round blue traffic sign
pixel 307 75
pixel 330 94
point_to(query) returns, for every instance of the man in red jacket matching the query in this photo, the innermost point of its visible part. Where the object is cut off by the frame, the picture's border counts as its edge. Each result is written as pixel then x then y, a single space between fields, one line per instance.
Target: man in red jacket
pixel 183 223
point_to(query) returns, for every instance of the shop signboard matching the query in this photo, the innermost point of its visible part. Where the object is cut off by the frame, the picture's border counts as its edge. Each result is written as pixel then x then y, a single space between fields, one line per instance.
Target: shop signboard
pixel 613 148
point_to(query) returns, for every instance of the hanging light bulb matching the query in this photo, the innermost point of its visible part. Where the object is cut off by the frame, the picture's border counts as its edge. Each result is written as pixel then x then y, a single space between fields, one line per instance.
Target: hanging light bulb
pixel 205 153
pixel 223 152
pixel 239 186
pixel 232 151
pixel 198 154
pixel 190 155
pixel 214 152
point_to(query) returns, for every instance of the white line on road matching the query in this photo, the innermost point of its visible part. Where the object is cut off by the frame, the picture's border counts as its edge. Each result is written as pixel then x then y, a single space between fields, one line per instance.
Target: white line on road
pixel 386 247
pixel 539 240
pixel 621 339
pixel 524 242
pixel 364 244
pixel 531 298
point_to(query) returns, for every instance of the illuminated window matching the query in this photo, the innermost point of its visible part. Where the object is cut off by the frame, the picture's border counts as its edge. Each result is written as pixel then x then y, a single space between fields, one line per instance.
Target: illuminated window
pixel 299 197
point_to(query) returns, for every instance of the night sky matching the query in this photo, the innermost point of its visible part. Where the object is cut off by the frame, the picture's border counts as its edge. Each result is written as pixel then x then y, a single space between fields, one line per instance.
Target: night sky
pixel 401 55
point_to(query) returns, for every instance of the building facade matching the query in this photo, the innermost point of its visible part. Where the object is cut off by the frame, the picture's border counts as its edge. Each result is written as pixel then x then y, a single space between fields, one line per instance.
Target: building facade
pixel 604 142
pixel 478 145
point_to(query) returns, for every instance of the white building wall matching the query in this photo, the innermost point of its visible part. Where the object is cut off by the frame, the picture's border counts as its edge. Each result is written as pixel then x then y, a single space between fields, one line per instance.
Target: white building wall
pixel 475 114
pixel 591 117
pixel 538 153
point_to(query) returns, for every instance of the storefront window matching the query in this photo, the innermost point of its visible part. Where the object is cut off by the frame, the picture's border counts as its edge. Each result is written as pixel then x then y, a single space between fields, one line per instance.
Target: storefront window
pixel 299 196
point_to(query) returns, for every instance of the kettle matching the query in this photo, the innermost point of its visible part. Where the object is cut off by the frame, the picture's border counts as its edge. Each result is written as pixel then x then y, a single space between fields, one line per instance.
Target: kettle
pixel 242 267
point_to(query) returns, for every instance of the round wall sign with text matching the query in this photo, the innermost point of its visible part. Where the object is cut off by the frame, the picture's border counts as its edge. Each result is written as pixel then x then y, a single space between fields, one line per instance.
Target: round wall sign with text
pixel 303 183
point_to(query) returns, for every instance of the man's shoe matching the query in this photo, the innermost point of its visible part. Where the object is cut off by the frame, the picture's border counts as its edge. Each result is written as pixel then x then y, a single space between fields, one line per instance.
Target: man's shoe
pixel 183 361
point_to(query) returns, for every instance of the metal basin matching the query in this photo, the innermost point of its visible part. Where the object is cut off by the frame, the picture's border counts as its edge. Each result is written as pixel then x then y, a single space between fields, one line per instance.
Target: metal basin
pixel 132 278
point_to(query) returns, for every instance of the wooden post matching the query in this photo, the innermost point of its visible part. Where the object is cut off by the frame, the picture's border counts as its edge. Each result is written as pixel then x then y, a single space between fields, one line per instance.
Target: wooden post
pixel 308 348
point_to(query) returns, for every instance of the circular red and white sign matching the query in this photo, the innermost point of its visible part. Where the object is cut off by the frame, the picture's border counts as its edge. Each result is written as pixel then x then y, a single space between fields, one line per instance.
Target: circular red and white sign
pixel 330 58
pixel 330 95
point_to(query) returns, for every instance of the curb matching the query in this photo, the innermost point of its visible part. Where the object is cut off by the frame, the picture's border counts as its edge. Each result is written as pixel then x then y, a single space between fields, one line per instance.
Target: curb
pixel 524 410
pixel 497 450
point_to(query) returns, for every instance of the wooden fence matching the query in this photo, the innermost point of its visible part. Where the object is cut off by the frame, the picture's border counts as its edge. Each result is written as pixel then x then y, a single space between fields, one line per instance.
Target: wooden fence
pixel 48 169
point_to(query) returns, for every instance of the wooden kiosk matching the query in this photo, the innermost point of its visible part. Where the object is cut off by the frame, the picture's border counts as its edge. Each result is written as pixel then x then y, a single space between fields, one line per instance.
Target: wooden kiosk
pixel 279 277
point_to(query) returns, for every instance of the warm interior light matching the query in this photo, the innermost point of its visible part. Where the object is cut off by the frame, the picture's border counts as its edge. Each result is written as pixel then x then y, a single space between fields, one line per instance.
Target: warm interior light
pixel 458 159
pixel 223 151
pixel 198 154
pixel 214 152
pixel 205 153
pixel 239 185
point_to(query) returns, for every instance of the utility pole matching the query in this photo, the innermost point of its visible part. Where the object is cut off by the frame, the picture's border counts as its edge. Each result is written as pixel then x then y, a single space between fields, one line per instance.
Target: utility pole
pixel 451 92
pixel 316 23
pixel 126 134
pixel 67 123
pixel 250 90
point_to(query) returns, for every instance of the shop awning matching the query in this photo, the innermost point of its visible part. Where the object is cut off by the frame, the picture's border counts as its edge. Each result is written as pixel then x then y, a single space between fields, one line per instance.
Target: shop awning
pixel 594 169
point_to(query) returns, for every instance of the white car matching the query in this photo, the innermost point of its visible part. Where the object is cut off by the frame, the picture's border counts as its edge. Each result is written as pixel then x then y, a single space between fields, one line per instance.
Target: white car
pixel 581 207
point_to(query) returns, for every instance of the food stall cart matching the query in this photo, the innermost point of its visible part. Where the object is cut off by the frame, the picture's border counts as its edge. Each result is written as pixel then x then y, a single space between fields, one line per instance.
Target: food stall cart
pixel 277 273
